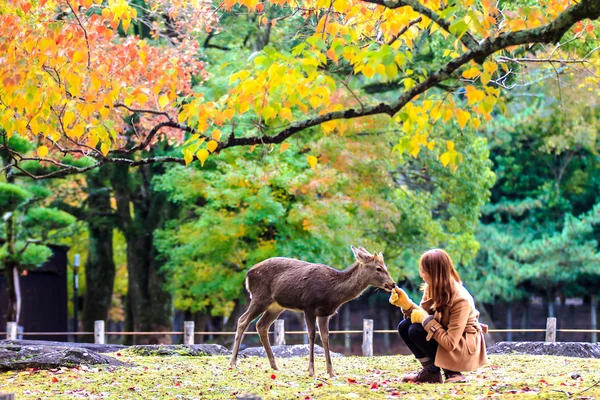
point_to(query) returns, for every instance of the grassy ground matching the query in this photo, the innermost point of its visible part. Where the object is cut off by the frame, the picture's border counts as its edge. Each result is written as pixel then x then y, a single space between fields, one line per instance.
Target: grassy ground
pixel 358 378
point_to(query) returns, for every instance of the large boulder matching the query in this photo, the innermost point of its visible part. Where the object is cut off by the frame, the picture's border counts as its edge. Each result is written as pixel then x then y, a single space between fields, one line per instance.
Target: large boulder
pixel 16 357
pixel 97 348
pixel 194 350
pixel 566 349
pixel 298 350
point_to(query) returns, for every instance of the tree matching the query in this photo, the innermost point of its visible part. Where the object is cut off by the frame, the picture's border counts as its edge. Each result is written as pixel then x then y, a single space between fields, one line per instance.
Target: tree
pixel 241 208
pixel 539 235
pixel 25 231
pixel 72 86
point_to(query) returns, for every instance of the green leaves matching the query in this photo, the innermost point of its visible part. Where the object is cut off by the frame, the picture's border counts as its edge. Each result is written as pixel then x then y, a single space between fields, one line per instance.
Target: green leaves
pixel 48 219
pixel 11 197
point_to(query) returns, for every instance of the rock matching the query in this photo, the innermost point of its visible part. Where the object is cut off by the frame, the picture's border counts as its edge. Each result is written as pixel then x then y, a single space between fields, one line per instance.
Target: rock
pixel 194 350
pixel 299 350
pixel 566 349
pixel 16 357
pixel 97 348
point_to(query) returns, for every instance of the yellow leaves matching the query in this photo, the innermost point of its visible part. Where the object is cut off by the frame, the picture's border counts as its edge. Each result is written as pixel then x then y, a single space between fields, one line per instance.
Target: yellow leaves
pixel 284 146
pixel 251 4
pixel 202 155
pixel 312 161
pixel 471 73
pixel 315 101
pixel 104 148
pixel 451 157
pixel 268 113
pixel 241 75
pixel 212 146
pixel 163 101
pixel 462 117
pixel 286 114
pixel 216 135
pixel 79 56
pixel 42 151
pixel 68 118
pixel 474 95
pixel 188 156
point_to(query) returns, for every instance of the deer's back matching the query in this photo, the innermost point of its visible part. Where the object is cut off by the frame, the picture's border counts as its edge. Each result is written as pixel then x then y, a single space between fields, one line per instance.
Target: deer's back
pixel 293 284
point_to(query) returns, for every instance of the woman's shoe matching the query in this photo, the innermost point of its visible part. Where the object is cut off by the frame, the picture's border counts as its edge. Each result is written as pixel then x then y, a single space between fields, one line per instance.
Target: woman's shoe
pixel 454 377
pixel 424 376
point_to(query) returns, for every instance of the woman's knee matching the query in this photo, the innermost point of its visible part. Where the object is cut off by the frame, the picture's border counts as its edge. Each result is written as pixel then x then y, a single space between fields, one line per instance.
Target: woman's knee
pixel 416 332
pixel 403 327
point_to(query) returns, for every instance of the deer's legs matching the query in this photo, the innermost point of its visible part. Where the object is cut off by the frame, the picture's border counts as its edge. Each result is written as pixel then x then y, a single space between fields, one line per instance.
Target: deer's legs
pixel 262 326
pixel 312 333
pixel 254 310
pixel 324 332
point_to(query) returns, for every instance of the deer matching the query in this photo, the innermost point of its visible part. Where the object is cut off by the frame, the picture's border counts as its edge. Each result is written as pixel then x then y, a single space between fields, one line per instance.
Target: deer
pixel 277 284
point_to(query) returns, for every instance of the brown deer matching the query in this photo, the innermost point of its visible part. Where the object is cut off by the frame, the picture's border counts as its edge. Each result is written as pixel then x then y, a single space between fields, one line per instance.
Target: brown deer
pixel 318 290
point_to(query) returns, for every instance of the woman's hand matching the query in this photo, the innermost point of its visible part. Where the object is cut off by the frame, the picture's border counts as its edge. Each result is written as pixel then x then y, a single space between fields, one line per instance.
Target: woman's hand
pixel 399 298
pixel 418 316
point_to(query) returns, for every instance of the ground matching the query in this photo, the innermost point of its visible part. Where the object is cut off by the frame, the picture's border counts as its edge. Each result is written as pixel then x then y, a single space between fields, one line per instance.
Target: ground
pixel 505 376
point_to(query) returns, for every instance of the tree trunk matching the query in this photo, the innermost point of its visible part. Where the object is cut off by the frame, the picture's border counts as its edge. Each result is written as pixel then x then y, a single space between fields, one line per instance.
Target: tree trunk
pixel 13 288
pixel 148 303
pixel 100 265
pixel 11 269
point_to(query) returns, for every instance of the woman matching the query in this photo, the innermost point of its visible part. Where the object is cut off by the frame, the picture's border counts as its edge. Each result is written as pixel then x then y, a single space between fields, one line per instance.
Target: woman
pixel 443 331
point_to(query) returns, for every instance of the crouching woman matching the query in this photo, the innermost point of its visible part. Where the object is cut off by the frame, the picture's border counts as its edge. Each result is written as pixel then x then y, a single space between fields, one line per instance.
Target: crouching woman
pixel 444 330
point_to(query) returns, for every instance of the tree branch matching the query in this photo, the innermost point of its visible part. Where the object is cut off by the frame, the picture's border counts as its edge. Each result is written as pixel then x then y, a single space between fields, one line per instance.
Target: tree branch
pixel 549 33
pixel 467 39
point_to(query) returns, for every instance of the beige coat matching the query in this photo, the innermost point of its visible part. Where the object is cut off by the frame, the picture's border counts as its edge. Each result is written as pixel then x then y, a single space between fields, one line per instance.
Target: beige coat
pixel 457 329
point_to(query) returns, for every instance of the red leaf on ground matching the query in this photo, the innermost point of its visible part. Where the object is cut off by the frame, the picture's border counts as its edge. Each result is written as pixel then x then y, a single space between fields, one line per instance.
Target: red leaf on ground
pixel 273 376
pixel 351 380
pixel 307 398
pixel 131 389
pixel 319 385
pixel 119 354
pixel 145 368
pixel 178 384
pixel 544 382
pixel 396 393
pixel 54 379
pixel 374 386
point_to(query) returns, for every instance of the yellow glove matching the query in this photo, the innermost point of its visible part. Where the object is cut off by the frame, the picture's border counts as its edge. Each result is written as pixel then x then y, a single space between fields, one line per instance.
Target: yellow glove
pixel 418 316
pixel 399 298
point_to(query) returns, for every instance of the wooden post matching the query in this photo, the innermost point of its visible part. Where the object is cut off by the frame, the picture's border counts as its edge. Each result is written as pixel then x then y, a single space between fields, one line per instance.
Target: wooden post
pixel 7 396
pixel 551 330
pixel 188 332
pixel 367 346
pixel 11 330
pixel 279 334
pixel 347 342
pixel 594 317
pixel 99 332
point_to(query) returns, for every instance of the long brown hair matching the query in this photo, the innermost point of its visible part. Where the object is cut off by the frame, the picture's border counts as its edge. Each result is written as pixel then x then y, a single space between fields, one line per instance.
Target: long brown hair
pixel 438 265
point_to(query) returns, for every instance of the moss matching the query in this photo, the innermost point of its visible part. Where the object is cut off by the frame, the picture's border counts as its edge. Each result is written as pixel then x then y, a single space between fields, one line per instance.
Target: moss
pixel 510 376
pixel 158 350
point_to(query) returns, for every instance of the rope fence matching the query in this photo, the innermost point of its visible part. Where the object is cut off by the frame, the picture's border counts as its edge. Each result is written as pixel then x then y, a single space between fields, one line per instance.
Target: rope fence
pixel 279 333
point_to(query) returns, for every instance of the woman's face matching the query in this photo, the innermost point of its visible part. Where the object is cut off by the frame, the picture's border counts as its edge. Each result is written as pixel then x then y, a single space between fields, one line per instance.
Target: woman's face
pixel 425 276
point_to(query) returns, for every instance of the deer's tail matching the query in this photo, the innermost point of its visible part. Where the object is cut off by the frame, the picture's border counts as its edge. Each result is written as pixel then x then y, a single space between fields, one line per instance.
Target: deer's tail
pixel 248 288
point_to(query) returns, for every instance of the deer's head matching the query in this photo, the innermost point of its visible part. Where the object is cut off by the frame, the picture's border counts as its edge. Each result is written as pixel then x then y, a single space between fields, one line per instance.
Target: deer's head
pixel 372 269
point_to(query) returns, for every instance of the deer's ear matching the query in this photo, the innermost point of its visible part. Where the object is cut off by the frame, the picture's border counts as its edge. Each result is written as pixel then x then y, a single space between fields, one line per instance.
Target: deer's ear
pixel 361 255
pixel 355 251
pixel 378 256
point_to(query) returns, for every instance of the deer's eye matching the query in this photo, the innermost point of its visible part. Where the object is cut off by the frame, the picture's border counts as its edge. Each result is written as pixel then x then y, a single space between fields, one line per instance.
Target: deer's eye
pixel 379 269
